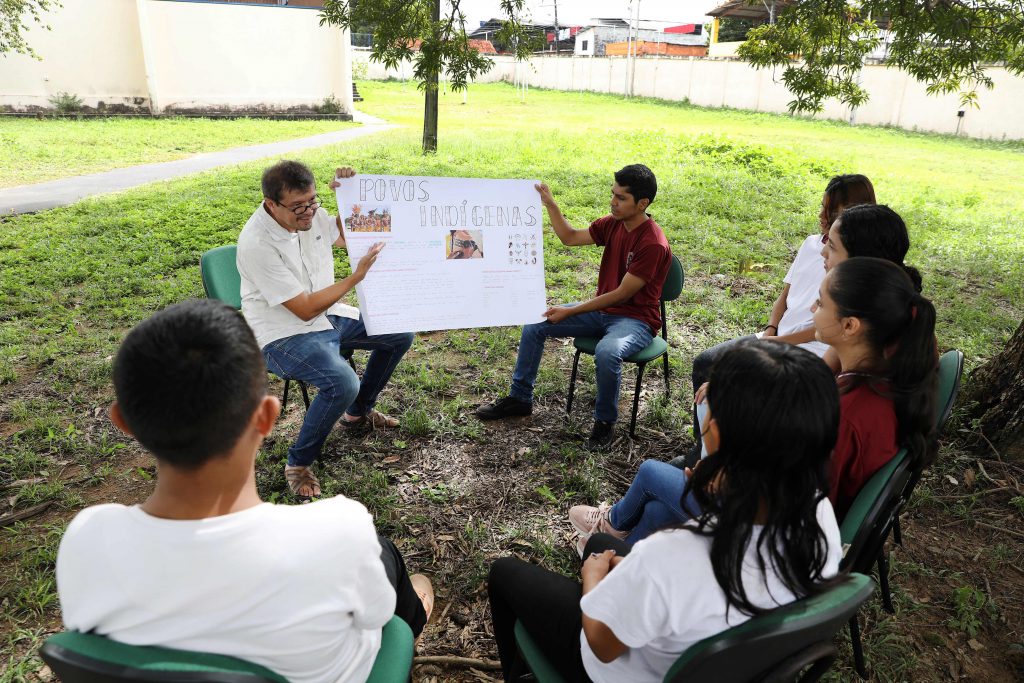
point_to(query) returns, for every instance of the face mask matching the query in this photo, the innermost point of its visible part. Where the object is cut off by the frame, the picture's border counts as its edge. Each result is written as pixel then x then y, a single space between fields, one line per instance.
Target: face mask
pixel 702 414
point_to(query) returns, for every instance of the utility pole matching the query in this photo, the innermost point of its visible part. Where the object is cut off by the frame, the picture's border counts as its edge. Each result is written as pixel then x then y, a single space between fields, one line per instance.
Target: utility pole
pixel 557 50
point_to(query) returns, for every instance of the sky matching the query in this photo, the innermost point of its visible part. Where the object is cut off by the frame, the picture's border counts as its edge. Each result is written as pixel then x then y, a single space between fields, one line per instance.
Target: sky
pixel 575 12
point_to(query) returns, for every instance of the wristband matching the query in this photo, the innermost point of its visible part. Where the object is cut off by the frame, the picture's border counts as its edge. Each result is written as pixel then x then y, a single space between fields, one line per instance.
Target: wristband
pixel 774 327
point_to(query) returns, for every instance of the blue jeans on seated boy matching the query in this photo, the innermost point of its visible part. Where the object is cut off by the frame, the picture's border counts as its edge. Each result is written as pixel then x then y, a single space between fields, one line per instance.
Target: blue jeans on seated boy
pixel 315 358
pixel 653 501
pixel 620 335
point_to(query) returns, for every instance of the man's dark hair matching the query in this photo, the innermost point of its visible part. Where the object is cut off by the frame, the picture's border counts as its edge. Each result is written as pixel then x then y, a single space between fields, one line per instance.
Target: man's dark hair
pixel 188 380
pixel 286 176
pixel 639 181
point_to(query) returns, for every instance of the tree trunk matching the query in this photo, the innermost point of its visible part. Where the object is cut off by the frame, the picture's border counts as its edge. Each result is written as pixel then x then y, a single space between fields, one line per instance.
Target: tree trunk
pixel 995 397
pixel 430 96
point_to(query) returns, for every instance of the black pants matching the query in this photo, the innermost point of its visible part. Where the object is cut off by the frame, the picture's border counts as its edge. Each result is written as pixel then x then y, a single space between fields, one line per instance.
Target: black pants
pixel 408 605
pixel 548 604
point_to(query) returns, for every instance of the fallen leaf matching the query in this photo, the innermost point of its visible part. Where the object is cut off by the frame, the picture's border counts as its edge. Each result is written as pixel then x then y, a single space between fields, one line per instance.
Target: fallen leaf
pixel 390 459
pixel 969 478
pixel 975 645
pixel 445 537
pixel 952 480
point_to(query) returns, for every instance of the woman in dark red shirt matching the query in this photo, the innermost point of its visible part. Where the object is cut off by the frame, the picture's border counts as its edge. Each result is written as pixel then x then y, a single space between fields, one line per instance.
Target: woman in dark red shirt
pixel 883 332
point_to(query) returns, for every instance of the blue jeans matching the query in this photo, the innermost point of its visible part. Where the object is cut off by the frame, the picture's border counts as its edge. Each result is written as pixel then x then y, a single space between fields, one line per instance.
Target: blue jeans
pixel 620 335
pixel 653 501
pixel 315 358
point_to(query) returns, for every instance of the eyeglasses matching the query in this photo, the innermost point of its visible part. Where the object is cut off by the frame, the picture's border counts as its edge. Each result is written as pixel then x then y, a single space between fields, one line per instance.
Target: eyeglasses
pixel 303 208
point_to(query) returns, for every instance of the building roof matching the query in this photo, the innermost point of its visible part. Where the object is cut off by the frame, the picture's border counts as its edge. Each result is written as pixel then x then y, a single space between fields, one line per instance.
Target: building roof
pixel 754 10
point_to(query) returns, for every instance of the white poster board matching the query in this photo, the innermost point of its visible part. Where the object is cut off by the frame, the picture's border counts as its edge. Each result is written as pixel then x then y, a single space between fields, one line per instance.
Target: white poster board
pixel 459 252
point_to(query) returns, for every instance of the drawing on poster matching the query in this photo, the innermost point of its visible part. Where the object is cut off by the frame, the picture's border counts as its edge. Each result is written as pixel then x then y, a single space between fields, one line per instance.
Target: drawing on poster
pixel 495 226
pixel 365 219
pixel 464 244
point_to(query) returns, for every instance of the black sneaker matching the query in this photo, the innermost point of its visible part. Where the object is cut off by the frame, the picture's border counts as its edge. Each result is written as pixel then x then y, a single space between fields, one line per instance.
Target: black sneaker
pixel 504 407
pixel 601 435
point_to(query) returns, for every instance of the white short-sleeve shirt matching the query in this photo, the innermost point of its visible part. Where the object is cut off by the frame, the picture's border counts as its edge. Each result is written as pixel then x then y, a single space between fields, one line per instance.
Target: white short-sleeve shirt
pixel 663 598
pixel 804 278
pixel 299 589
pixel 277 265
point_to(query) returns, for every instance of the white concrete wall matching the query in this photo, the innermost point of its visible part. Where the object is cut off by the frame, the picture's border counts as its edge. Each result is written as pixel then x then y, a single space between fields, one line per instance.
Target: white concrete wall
pixel 896 98
pixel 94 51
pixel 182 55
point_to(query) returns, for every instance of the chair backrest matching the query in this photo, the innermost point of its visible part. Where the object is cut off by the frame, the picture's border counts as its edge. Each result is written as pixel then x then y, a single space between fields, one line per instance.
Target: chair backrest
pixel 220 275
pixel 756 647
pixel 951 368
pixel 88 658
pixel 673 286
pixel 871 516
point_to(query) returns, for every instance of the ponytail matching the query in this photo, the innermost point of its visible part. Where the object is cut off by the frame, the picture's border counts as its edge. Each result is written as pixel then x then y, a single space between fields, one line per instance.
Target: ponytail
pixel 900 327
pixel 913 375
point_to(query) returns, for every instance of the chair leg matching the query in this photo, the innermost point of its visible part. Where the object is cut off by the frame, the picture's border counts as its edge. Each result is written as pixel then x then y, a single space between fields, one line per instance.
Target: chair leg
pixel 636 398
pixel 858 650
pixel 284 399
pixel 897 533
pixel 883 582
pixel 668 386
pixel 305 394
pixel 572 382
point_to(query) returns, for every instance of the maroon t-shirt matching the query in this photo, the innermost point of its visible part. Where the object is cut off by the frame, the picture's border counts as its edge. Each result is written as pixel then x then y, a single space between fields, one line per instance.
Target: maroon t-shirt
pixel 643 253
pixel 867 440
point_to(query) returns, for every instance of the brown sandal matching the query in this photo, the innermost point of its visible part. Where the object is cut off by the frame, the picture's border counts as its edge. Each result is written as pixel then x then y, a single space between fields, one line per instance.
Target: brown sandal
pixel 301 478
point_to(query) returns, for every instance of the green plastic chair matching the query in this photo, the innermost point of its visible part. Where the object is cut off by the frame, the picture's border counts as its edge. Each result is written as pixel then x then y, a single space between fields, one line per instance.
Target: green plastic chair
pixel 88 658
pixel 778 645
pixel 221 281
pixel 864 530
pixel 658 348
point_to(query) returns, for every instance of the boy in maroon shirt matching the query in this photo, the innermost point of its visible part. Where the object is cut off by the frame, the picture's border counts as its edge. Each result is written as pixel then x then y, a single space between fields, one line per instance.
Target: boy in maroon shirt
pixel 626 311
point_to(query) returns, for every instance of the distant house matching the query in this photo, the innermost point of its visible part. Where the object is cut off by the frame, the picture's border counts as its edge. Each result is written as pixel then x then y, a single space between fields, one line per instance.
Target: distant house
pixel 610 37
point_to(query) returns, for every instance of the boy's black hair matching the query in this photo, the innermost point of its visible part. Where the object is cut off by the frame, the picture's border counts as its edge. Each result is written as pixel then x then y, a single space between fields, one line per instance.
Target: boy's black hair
pixel 639 181
pixel 188 380
pixel 286 176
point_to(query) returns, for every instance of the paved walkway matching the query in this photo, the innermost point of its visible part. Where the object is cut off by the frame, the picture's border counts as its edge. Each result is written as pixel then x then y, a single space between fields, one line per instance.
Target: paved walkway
pixel 42 196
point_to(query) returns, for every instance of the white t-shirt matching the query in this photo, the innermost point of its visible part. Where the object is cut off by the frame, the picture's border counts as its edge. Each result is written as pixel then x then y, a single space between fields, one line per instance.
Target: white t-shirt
pixel 663 598
pixel 299 589
pixel 277 265
pixel 804 278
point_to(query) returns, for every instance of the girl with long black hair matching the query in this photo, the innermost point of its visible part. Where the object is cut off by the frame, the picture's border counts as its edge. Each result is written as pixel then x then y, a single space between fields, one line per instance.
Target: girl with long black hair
pixel 869 310
pixel 766 534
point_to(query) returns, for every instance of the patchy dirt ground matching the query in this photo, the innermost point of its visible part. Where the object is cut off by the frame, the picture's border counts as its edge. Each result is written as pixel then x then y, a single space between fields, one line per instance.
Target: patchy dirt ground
pixel 455 501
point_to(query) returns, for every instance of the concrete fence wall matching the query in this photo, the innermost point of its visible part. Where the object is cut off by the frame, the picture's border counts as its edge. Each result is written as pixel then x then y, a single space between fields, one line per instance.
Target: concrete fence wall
pixel 181 56
pixel 896 98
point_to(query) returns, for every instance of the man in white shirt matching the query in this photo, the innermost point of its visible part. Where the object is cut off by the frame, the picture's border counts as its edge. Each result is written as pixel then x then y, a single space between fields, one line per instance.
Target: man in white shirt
pixel 293 304
pixel 203 564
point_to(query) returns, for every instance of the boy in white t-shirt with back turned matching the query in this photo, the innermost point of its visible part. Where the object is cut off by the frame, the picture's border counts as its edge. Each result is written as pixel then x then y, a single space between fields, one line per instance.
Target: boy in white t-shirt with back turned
pixel 203 564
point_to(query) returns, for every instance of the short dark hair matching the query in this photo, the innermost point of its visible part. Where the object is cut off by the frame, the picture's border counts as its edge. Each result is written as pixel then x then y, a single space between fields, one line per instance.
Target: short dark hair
pixel 639 181
pixel 188 380
pixel 844 191
pixel 286 176
pixel 877 231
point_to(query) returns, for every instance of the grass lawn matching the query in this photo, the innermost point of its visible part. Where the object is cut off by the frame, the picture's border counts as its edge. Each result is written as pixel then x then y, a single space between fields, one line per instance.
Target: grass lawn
pixel 34 150
pixel 738 192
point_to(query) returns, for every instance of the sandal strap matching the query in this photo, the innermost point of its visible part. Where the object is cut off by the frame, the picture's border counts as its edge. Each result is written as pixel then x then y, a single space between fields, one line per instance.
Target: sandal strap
pixel 300 477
